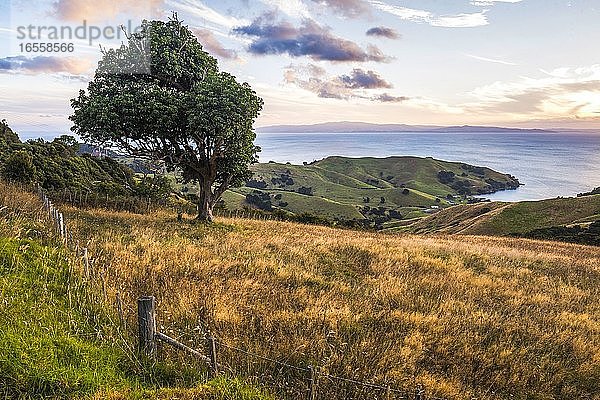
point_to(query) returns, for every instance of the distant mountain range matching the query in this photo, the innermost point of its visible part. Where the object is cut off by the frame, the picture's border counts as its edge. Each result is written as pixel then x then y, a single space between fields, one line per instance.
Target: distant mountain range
pixel 353 127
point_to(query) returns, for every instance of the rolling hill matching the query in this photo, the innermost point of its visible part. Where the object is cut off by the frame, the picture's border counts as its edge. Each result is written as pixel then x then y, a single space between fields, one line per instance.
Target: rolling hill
pixel 539 219
pixel 374 189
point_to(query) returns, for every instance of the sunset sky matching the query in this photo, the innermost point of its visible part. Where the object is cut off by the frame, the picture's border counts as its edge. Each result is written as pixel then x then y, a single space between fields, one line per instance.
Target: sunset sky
pixel 525 63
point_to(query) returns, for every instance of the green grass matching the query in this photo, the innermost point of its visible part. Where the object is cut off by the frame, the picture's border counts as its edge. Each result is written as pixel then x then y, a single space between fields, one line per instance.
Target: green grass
pixel 58 334
pixel 340 185
pixel 49 339
pixel 217 389
pixel 502 219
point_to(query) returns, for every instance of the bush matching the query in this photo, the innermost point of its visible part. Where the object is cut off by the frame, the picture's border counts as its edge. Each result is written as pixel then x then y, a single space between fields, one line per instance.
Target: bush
pixel 446 177
pixel 19 168
pixel 256 184
pixel 308 191
pixel 260 200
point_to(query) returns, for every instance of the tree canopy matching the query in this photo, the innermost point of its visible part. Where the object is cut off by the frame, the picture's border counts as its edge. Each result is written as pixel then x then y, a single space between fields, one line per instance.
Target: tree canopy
pixel 162 97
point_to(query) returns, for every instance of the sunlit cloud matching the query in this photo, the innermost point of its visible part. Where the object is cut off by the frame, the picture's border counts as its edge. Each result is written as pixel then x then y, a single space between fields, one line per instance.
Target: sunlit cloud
pixel 44 64
pixel 347 8
pixel 293 8
pixel 487 3
pixel 562 92
pixel 356 84
pixel 213 45
pixel 205 14
pixel 99 10
pixel 464 20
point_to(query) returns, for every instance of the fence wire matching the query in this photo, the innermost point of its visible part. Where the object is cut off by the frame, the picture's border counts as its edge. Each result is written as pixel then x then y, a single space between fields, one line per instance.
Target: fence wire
pixel 286 380
pixel 294 382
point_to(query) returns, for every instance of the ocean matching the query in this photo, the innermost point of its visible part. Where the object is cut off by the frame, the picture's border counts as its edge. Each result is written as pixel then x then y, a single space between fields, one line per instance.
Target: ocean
pixel 548 164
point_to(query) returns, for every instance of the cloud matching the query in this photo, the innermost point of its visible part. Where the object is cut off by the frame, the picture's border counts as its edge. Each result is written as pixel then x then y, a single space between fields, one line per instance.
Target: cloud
pixel 310 39
pixel 44 64
pixel 293 8
pixel 348 8
pixel 492 60
pixel 95 10
pixel 564 92
pixel 356 84
pixel 382 31
pixel 487 3
pixel 387 98
pixel 464 20
pixel 360 79
pixel 203 13
pixel 212 44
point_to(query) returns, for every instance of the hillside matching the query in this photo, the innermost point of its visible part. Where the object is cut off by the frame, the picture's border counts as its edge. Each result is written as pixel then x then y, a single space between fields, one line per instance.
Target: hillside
pixel 382 190
pixel 464 316
pixel 363 127
pixel 59 335
pixel 522 218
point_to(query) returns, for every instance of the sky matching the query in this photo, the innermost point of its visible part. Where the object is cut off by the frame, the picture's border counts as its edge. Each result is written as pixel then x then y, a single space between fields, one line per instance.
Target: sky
pixel 517 63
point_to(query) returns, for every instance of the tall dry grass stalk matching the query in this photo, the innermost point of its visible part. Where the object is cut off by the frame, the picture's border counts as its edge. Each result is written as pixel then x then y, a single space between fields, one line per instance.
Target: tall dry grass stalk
pixel 21 213
pixel 490 318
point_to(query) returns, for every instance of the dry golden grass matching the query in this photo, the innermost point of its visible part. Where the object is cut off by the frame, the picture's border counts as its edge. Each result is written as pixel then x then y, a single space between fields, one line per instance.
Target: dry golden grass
pixel 21 213
pixel 465 316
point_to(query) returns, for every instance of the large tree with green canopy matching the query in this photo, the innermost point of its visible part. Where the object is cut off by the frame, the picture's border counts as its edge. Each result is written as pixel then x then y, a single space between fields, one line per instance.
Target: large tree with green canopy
pixel 160 96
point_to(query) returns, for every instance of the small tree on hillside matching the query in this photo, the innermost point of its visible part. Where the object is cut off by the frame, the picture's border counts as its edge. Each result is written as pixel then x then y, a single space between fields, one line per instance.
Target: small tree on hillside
pixel 177 108
pixel 19 167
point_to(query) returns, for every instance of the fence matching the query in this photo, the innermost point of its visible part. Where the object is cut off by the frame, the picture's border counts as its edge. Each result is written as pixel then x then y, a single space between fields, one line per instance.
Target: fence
pixel 82 199
pixel 284 378
pixel 291 381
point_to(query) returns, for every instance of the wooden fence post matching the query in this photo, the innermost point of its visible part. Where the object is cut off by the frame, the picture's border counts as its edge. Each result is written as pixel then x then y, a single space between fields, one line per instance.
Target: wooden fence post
pixel 61 223
pixel 312 385
pixel 147 325
pixel 212 354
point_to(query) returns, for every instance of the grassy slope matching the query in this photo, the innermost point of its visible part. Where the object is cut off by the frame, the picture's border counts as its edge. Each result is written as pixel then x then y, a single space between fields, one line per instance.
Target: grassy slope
pixel 511 218
pixel 56 337
pixel 491 318
pixel 415 172
pixel 341 184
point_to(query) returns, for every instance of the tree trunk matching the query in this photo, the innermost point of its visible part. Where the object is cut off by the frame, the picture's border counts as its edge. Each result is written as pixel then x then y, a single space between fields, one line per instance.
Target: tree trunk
pixel 204 212
pixel 205 204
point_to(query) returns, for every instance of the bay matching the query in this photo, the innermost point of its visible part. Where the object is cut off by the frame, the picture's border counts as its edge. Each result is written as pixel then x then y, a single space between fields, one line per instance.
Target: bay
pixel 548 164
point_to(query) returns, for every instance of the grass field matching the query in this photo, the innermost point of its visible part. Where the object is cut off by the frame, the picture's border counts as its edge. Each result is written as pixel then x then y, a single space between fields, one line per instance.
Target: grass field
pixel 341 187
pixel 58 335
pixel 511 218
pixel 467 317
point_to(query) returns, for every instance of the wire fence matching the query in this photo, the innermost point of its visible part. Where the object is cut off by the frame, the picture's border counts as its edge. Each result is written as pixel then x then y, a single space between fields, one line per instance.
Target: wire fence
pixel 286 379
pixel 142 205
pixel 294 380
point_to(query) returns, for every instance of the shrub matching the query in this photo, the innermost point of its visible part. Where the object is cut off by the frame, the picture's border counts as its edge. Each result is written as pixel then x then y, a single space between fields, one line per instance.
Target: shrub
pixel 19 168
pixel 308 191
pixel 260 200
pixel 446 177
pixel 256 184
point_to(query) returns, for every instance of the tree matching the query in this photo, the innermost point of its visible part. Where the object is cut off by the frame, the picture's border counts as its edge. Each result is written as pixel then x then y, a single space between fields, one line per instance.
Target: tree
pixel 161 97
pixel 19 167
pixel 6 134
